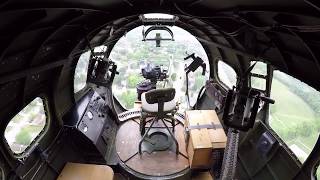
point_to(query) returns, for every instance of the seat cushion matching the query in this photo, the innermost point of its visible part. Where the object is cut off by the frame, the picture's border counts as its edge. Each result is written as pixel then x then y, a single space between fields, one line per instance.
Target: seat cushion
pixel 78 171
pixel 168 106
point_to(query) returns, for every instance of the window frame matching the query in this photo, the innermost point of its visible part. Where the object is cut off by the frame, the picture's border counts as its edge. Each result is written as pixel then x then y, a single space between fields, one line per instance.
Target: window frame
pixel 38 138
pixel 81 92
pixel 217 73
pixel 254 75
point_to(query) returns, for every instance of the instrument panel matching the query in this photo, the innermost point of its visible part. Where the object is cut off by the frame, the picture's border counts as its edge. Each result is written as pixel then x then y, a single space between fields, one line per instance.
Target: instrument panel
pixel 89 119
pixel 93 119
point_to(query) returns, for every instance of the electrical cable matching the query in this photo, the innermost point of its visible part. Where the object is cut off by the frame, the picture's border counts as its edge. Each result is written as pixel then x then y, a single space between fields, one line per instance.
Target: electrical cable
pixel 202 90
pixel 315 59
pixel 200 17
pixel 187 91
pixel 240 19
pixel 312 4
pixel 313 28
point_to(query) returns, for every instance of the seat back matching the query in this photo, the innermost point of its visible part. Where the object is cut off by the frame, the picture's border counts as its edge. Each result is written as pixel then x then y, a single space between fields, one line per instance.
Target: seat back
pixel 160 96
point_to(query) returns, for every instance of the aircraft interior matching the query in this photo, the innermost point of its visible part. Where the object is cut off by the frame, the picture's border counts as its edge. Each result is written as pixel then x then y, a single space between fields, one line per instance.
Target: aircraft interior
pixel 159 89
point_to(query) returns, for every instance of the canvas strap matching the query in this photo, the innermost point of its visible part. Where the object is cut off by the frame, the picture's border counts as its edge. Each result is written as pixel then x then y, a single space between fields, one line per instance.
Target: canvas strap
pixel 207 126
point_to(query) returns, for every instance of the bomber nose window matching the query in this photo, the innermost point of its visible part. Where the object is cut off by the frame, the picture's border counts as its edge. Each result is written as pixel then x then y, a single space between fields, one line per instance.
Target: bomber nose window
pixel 26 126
pixel 131 54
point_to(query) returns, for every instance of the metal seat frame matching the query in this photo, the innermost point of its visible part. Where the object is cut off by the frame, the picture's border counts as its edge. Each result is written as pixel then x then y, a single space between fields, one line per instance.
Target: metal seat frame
pixel 167 116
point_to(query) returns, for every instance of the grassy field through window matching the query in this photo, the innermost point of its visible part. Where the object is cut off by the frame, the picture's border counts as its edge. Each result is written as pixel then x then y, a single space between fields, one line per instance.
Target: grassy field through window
pixel 295 116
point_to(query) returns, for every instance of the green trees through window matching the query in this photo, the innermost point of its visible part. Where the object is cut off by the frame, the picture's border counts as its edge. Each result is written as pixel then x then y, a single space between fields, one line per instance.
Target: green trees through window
pixel 26 126
pixel 80 75
pixel 81 71
pixel 131 54
pixel 295 116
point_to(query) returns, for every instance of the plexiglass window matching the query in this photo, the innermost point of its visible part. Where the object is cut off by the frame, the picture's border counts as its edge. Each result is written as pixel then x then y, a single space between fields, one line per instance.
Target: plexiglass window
pixel 80 75
pixel 295 114
pixel 26 126
pixel 259 69
pixel 226 74
pixel 131 54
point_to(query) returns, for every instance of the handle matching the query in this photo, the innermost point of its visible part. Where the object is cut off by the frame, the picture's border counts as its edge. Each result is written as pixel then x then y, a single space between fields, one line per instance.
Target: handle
pixel 267 99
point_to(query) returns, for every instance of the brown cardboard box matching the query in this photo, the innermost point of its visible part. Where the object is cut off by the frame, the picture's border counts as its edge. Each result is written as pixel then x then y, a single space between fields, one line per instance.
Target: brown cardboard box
pixel 137 105
pixel 202 176
pixel 77 171
pixel 205 134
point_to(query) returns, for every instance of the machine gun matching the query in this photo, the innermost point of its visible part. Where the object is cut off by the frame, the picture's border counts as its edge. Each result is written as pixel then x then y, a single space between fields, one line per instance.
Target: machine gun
pixel 241 108
pixel 242 105
pixel 193 66
pixel 101 71
pixel 154 73
pixel 196 63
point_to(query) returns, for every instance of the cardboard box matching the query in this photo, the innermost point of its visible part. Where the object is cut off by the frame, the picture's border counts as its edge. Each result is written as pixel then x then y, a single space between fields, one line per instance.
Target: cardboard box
pixel 202 176
pixel 137 105
pixel 78 171
pixel 205 133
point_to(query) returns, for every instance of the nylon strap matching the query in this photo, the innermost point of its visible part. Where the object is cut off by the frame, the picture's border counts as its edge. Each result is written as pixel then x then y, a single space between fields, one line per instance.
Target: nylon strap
pixel 207 126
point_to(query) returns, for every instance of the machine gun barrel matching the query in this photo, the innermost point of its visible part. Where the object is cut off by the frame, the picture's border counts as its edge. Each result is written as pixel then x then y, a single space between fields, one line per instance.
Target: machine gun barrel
pixel 267 100
pixel 196 63
pixel 190 56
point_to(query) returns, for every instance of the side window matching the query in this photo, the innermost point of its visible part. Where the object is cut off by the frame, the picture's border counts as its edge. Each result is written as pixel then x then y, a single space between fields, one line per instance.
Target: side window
pixel 26 126
pixel 226 74
pixel 295 114
pixel 258 72
pixel 80 74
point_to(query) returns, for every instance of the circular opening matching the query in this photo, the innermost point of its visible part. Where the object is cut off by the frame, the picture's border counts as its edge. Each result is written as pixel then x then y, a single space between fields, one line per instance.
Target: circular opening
pixel 131 54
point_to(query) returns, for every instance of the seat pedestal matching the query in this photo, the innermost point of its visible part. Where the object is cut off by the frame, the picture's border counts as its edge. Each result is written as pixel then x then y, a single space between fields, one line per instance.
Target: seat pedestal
pixel 152 163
